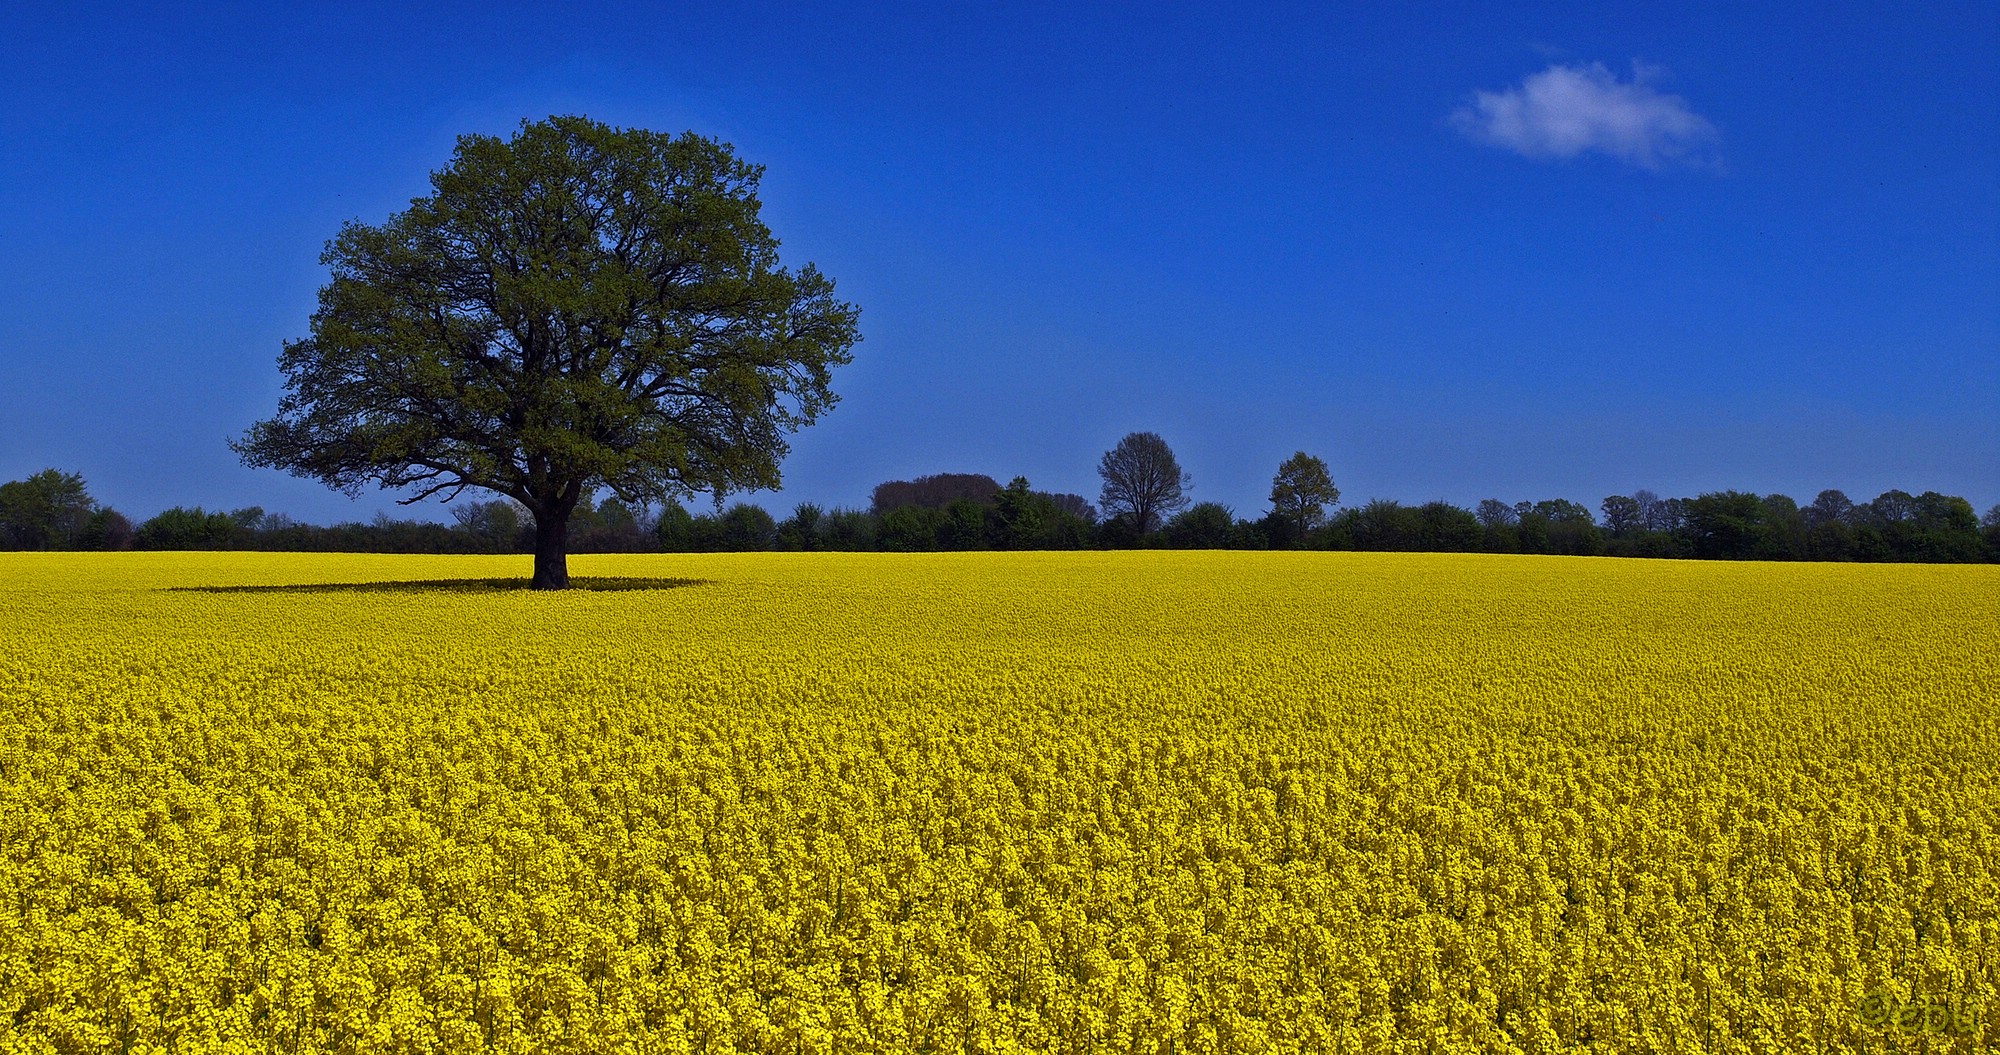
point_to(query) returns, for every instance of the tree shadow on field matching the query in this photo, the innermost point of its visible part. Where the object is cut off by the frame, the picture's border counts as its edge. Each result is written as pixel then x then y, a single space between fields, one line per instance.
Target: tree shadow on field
pixel 577 584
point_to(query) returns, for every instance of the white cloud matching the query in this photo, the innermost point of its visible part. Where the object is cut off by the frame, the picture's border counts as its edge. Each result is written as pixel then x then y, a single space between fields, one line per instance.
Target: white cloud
pixel 1564 111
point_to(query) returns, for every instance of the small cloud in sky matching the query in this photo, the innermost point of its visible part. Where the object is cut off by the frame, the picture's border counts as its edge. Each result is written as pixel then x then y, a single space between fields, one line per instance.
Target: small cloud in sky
pixel 1564 111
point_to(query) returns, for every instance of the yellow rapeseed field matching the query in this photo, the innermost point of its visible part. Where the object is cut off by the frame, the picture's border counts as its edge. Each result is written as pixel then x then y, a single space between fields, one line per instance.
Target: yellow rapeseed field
pixel 1090 802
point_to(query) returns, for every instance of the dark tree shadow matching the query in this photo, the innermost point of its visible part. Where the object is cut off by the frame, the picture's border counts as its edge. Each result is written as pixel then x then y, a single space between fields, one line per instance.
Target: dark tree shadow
pixel 582 583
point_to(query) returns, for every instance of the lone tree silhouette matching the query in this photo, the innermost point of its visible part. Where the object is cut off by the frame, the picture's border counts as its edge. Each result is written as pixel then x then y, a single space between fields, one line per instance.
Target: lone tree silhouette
pixel 579 307
pixel 1301 492
pixel 1142 479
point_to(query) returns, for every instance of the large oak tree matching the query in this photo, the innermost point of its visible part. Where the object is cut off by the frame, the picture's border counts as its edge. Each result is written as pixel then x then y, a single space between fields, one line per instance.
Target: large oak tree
pixel 578 307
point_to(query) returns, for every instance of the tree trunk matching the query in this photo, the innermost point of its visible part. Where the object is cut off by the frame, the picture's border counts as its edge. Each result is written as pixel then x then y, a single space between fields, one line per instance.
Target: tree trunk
pixel 551 551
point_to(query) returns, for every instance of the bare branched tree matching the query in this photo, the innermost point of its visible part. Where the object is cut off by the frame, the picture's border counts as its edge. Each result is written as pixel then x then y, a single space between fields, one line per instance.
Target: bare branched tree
pixel 1142 479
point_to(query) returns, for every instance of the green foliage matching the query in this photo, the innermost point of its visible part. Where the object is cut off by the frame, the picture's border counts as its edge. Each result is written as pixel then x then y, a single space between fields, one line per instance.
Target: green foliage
pixel 1119 531
pixel 745 527
pixel 1555 525
pixel 106 529
pixel 48 510
pixel 1622 515
pixel 182 528
pixel 1445 528
pixel 849 529
pixel 910 529
pixel 1941 529
pixel 1204 525
pixel 676 529
pixel 1302 491
pixel 1066 531
pixel 1383 524
pixel 1025 519
pixel 496 523
pixel 803 531
pixel 1019 515
pixel 1556 511
pixel 578 307
pixel 1784 535
pixel 963 525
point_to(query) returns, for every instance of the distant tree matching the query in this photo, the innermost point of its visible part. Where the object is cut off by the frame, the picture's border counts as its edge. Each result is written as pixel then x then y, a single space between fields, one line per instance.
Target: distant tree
pixel 1892 507
pixel 934 492
pixel 802 530
pixel 1075 506
pixel 1302 490
pixel 1280 532
pixel 1991 518
pixel 1562 511
pixel 385 534
pixel 1062 521
pixel 1018 516
pixel 1725 525
pixel 610 526
pixel 1493 513
pixel 577 307
pixel 496 522
pixel 1830 540
pixel 1556 525
pixel 1930 527
pixel 615 514
pixel 1531 529
pixel 1830 522
pixel 45 511
pixel 1141 478
pixel 1384 525
pixel 675 529
pixel 1577 538
pixel 1656 513
pixel 1502 538
pixel 1249 534
pixel 1204 525
pixel 1622 515
pixel 963 525
pixel 1065 531
pixel 1946 530
pixel 106 529
pixel 909 529
pixel 187 529
pixel 1445 528
pixel 1673 513
pixel 747 526
pixel 850 529
pixel 1117 531
pixel 1783 534
pixel 1336 534
pixel 1831 507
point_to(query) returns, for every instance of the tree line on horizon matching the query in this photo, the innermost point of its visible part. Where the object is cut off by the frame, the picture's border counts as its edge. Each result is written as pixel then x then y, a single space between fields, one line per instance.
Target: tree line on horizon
pixel 1145 503
pixel 629 330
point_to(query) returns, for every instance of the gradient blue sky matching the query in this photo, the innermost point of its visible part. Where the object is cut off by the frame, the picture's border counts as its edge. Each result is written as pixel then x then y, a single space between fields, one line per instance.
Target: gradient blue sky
pixel 1565 250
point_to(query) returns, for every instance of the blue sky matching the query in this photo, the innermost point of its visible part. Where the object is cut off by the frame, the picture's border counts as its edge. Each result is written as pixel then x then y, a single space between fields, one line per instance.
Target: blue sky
pixel 1565 250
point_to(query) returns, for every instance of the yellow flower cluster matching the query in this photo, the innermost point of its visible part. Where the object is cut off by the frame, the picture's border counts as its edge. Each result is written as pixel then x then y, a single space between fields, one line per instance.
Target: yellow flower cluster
pixel 1135 802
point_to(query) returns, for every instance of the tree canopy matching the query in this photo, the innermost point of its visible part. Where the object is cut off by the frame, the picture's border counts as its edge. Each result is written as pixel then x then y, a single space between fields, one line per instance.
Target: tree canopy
pixel 49 510
pixel 1301 492
pixel 577 307
pixel 1143 481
